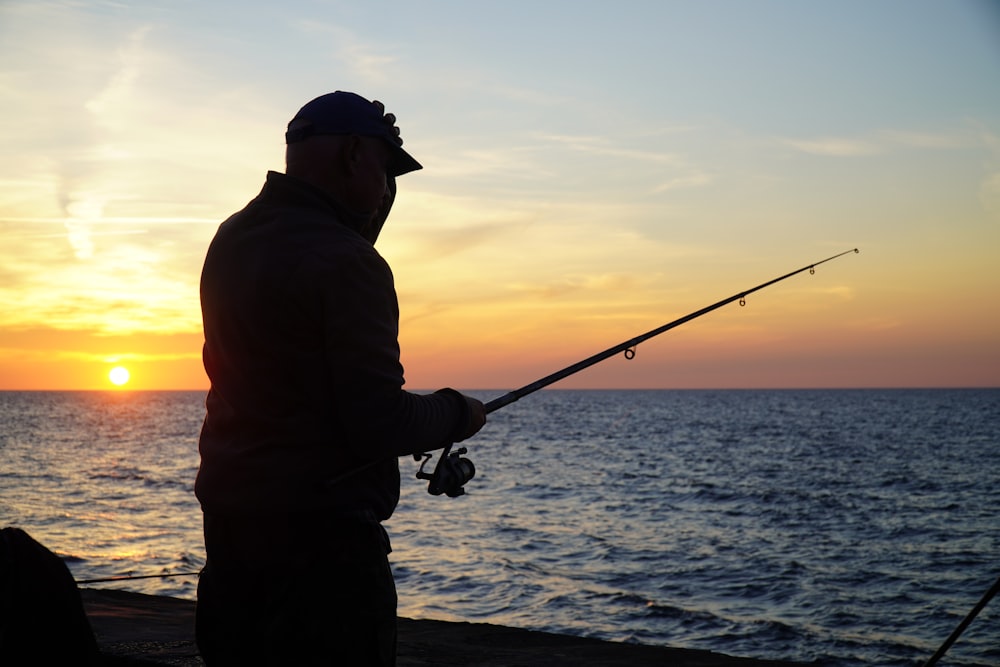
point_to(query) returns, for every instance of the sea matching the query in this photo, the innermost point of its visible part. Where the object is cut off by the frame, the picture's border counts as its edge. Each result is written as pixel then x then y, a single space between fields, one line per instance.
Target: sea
pixel 835 527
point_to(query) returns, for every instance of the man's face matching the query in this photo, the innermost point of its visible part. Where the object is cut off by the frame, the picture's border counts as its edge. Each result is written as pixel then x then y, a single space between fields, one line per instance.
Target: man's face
pixel 374 226
pixel 369 185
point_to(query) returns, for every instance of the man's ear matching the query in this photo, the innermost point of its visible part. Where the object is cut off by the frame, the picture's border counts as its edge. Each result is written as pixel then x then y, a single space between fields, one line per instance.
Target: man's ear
pixel 350 154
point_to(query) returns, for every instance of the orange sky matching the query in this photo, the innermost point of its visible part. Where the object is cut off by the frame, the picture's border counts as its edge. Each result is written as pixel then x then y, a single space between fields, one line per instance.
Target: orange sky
pixel 570 200
pixel 807 331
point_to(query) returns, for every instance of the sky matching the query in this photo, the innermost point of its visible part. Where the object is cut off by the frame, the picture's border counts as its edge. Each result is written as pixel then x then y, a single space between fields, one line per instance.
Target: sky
pixel 592 170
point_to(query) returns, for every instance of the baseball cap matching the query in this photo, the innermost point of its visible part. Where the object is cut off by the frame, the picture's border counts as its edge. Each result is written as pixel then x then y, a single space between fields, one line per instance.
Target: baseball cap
pixel 341 112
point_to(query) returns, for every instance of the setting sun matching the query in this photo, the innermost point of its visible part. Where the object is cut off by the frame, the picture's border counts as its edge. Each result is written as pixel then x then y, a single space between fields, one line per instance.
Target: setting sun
pixel 118 376
pixel 544 240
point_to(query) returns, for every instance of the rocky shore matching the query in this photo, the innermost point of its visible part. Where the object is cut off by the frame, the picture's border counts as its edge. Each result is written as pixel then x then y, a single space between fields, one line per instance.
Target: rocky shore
pixel 137 629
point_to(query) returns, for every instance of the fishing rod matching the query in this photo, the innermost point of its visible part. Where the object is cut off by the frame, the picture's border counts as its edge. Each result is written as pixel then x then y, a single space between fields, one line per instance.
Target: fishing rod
pixel 452 471
pixel 130 577
pixel 994 589
pixel 628 347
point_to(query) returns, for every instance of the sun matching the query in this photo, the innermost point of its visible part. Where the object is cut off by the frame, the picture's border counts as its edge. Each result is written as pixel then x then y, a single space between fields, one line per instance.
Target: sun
pixel 119 376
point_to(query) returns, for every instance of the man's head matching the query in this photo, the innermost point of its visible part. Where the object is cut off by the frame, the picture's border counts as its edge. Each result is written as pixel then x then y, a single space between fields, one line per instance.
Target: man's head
pixel 343 113
pixel 348 146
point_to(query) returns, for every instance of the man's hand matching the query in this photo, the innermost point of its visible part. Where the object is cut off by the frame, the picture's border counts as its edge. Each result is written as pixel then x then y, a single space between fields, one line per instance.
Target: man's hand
pixel 390 120
pixel 477 416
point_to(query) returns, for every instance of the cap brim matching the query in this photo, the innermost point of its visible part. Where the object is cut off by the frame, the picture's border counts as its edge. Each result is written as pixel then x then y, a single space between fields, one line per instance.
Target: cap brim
pixel 402 162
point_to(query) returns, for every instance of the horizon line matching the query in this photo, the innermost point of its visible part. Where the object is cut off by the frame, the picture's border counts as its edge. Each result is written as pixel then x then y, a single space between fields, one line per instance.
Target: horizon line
pixel 126 390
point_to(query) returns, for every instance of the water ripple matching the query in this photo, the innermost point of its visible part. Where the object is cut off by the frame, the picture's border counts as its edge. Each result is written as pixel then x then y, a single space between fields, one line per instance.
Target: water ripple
pixel 843 527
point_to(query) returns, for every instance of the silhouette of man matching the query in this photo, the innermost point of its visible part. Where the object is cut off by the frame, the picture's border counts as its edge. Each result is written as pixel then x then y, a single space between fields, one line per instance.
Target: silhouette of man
pixel 306 415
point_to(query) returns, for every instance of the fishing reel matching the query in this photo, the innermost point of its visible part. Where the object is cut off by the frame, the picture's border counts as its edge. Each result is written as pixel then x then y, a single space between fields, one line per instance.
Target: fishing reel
pixel 451 473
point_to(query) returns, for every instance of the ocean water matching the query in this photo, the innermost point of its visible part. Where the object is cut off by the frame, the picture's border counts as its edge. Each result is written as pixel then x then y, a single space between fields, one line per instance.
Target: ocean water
pixel 842 527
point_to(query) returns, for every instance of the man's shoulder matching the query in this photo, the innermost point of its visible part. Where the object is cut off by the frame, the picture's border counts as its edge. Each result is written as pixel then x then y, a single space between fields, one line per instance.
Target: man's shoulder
pixel 275 217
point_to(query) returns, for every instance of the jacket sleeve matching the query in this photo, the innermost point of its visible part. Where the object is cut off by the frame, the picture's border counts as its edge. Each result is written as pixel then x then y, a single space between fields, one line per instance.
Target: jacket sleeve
pixel 377 416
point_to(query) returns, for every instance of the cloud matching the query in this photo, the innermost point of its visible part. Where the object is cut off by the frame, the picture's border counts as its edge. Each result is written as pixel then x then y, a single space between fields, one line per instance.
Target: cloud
pixel 925 139
pixel 834 147
pixel 121 158
pixel 118 279
pixel 989 193
pixel 448 162
pixel 603 147
pixel 442 242
pixel 592 285
pixel 369 61
pixel 694 180
pixel 23 352
pixel 880 142
pixel 989 188
pixel 114 99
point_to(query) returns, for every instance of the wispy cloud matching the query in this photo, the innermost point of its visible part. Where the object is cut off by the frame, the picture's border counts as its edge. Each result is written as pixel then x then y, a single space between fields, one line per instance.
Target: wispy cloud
pixel 989 193
pixel 835 146
pixel 49 355
pixel 879 142
pixel 605 147
pixel 371 62
pixel 694 180
pixel 596 286
pixel 989 188
pixel 933 140
pixel 606 182
pixel 114 100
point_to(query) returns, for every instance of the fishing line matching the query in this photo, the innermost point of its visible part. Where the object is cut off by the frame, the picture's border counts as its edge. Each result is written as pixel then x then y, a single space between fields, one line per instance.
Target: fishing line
pixel 130 577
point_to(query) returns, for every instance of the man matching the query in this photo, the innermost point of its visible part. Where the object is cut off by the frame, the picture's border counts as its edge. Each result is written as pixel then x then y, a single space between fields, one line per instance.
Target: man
pixel 306 415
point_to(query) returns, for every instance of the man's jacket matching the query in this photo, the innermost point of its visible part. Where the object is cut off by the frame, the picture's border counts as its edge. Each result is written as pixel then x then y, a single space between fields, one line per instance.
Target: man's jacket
pixel 301 322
